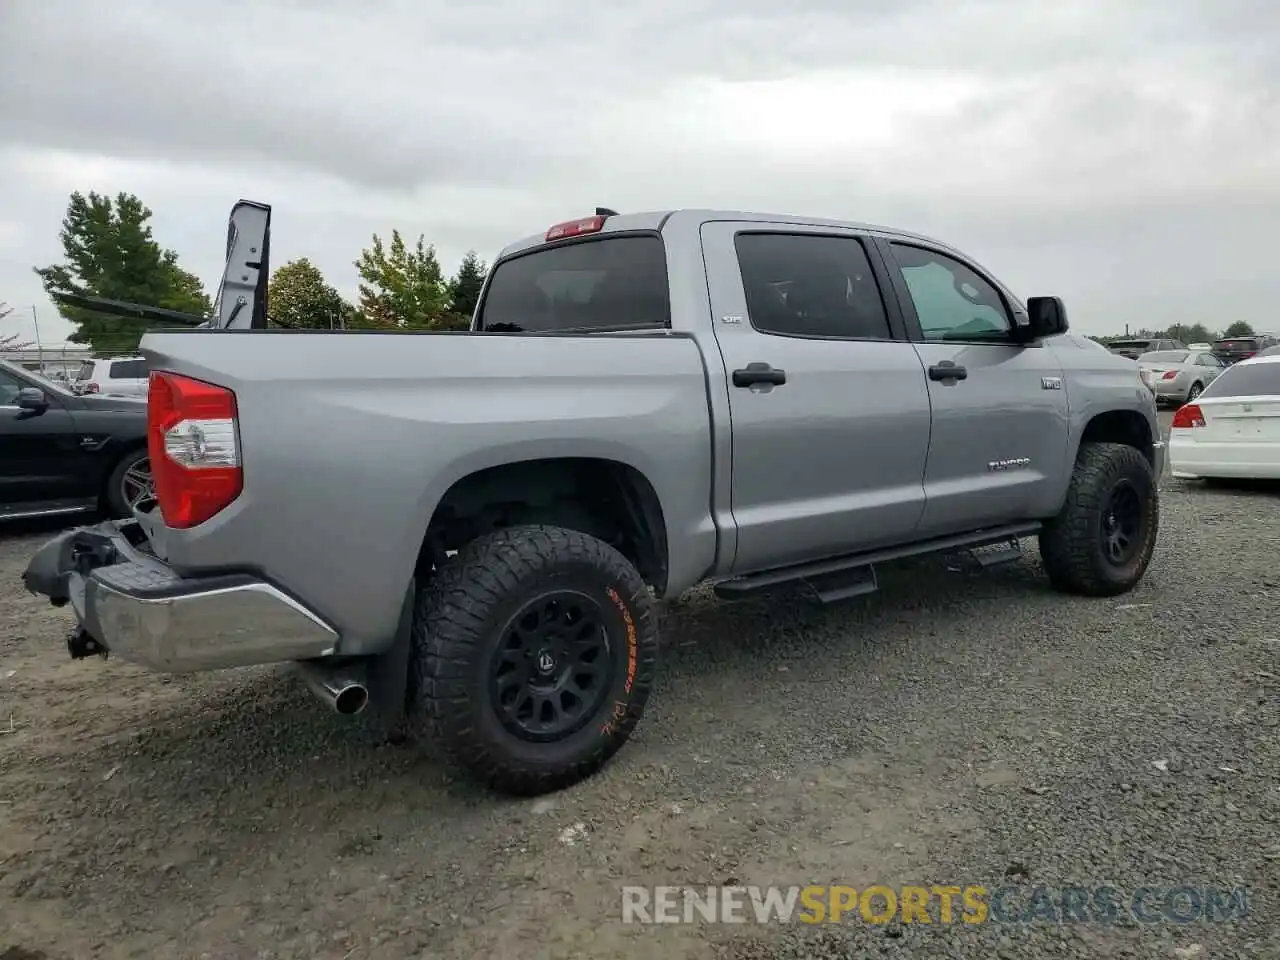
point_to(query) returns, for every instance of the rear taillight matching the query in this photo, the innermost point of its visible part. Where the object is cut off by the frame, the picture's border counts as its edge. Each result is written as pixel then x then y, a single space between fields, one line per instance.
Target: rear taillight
pixel 90 388
pixel 1169 375
pixel 194 449
pixel 1251 353
pixel 1188 415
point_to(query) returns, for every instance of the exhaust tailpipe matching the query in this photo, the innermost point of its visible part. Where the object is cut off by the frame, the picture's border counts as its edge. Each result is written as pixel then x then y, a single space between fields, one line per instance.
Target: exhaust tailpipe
pixel 341 687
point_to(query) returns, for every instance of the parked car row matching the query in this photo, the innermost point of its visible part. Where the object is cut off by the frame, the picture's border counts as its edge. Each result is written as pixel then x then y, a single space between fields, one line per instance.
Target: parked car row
pixel 1228 349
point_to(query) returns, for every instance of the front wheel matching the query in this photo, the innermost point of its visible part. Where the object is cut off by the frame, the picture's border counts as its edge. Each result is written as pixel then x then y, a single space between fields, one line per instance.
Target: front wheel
pixel 1102 540
pixel 533 654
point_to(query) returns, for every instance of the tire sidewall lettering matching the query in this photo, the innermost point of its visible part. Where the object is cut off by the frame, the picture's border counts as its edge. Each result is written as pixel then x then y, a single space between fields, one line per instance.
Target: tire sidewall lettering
pixel 621 706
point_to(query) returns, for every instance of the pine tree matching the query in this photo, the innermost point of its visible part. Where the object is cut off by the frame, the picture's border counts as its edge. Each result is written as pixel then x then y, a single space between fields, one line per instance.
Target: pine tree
pixel 464 289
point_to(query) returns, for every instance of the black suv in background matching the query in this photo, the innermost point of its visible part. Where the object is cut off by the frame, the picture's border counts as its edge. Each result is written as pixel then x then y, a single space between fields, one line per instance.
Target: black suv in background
pixel 61 453
pixel 1234 349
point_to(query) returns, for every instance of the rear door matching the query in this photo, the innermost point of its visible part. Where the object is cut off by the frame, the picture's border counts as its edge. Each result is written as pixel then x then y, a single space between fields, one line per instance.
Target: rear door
pixel 1208 367
pixel 999 439
pixel 830 414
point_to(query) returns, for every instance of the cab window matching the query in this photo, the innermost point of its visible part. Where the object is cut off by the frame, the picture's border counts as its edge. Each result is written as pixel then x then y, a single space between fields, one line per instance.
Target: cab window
pixel 952 301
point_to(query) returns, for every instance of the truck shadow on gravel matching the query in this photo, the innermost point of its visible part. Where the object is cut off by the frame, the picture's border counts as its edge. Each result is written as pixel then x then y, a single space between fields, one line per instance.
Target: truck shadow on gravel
pixel 256 744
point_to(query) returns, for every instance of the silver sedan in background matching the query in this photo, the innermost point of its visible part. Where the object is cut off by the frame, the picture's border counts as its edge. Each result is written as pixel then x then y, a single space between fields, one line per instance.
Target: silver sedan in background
pixel 1179 376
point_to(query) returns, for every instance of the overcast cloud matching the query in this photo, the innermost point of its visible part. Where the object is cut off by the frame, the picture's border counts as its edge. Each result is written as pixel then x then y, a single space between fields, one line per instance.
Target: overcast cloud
pixel 1120 153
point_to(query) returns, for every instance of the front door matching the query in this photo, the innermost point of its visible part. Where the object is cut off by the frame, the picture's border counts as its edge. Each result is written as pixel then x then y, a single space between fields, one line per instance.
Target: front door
pixel 829 410
pixel 999 440
pixel 40 456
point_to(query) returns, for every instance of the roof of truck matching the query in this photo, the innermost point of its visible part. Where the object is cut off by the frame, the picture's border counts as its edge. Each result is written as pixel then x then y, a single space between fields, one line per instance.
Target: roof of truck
pixel 656 219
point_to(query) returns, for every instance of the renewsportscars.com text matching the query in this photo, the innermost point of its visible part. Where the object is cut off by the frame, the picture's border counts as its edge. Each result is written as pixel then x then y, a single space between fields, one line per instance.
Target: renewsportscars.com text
pixel 970 904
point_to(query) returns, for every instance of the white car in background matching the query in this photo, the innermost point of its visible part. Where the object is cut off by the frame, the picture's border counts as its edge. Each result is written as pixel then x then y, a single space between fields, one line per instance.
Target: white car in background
pixel 113 376
pixel 1179 376
pixel 1232 430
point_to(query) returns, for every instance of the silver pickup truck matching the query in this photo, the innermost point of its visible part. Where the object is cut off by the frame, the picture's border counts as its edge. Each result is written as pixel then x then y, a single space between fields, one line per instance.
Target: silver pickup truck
pixel 468 530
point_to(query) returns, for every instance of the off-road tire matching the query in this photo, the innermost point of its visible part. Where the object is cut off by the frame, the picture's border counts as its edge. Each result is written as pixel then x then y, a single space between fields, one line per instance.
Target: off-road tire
pixel 1072 543
pixel 458 623
pixel 113 501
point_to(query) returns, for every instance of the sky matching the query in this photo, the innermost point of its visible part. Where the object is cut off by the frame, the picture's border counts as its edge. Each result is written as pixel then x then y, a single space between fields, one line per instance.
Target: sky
pixel 1121 154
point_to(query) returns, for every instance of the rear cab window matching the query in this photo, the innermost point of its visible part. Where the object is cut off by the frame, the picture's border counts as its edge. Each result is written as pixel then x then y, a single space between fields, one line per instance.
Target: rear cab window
pixel 1165 356
pixel 810 285
pixel 604 283
pixel 86 371
pixel 1246 380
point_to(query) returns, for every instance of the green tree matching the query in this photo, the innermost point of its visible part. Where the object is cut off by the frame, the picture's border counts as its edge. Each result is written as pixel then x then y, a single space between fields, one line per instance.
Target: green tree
pixel 110 252
pixel 1195 333
pixel 401 288
pixel 1238 329
pixel 464 290
pixel 300 298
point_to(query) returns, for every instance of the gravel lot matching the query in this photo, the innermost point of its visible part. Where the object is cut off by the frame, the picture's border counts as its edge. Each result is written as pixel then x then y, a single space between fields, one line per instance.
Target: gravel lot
pixel 959 727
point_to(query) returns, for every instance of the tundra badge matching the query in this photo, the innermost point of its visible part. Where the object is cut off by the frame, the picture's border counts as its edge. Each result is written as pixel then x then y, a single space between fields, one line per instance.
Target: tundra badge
pixel 1050 383
pixel 997 466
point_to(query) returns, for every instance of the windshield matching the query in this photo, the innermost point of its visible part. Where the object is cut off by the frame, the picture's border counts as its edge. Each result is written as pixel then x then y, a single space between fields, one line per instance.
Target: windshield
pixel 603 284
pixel 1246 380
pixel 1165 356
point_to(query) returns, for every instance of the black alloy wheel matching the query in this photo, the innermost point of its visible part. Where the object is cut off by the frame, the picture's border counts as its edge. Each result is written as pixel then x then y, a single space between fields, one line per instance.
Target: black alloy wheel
pixel 1122 524
pixel 553 667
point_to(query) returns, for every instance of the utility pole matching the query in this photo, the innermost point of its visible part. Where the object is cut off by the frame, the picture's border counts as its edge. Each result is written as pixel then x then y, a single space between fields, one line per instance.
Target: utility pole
pixel 35 319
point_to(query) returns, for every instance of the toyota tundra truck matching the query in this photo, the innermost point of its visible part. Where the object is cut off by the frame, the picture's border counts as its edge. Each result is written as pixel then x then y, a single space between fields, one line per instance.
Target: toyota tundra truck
pixel 470 530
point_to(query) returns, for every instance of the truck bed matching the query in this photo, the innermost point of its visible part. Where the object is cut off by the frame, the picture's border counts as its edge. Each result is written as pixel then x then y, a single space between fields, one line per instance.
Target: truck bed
pixel 349 441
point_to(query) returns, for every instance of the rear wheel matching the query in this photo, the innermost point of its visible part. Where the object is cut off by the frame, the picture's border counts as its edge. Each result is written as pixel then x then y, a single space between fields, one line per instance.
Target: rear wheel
pixel 1195 391
pixel 1102 540
pixel 533 654
pixel 130 485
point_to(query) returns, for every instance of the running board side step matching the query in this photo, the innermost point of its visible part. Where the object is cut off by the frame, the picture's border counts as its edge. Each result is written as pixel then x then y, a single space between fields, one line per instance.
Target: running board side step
pixel 854 575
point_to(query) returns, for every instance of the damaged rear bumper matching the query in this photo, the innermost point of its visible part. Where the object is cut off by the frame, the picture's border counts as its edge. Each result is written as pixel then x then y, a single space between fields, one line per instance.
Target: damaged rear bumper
pixel 130 603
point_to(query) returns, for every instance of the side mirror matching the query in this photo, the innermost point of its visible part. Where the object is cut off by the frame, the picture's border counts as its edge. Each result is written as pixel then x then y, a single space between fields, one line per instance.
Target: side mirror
pixel 32 398
pixel 1047 316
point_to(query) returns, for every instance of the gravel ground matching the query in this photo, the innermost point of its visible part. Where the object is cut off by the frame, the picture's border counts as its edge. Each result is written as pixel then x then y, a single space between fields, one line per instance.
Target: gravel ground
pixel 959 727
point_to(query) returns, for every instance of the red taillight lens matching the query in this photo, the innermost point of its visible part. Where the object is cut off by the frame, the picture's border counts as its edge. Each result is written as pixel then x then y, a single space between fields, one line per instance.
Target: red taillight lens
pixel 1169 375
pixel 1188 415
pixel 90 388
pixel 1251 353
pixel 574 228
pixel 194 448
